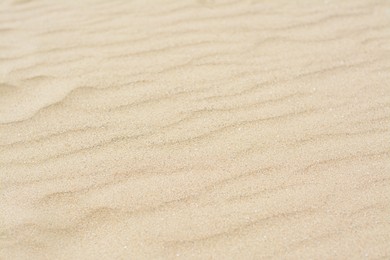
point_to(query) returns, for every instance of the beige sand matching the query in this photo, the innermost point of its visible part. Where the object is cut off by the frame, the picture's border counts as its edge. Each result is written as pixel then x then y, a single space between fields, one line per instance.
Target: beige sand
pixel 194 129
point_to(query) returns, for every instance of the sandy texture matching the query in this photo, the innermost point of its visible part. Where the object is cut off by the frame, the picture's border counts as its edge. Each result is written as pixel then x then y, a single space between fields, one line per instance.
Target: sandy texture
pixel 194 129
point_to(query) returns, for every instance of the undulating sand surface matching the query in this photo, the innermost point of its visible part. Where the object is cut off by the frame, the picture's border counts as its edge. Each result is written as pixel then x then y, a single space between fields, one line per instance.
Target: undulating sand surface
pixel 194 129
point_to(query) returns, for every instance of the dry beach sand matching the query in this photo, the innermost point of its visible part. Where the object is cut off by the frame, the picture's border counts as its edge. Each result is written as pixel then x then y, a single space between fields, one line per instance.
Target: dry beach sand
pixel 194 129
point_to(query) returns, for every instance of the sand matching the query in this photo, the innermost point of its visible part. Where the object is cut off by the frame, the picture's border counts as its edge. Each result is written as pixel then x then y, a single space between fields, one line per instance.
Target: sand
pixel 194 129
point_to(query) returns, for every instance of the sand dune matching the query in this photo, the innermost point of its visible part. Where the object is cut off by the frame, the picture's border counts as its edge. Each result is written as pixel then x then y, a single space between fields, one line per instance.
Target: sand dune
pixel 194 129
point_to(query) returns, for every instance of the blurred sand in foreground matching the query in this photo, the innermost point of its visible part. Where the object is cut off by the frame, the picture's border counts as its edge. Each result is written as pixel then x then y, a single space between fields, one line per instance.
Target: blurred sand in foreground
pixel 194 129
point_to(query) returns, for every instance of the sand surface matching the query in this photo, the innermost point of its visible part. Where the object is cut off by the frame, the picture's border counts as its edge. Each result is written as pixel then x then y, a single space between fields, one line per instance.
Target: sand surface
pixel 194 129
